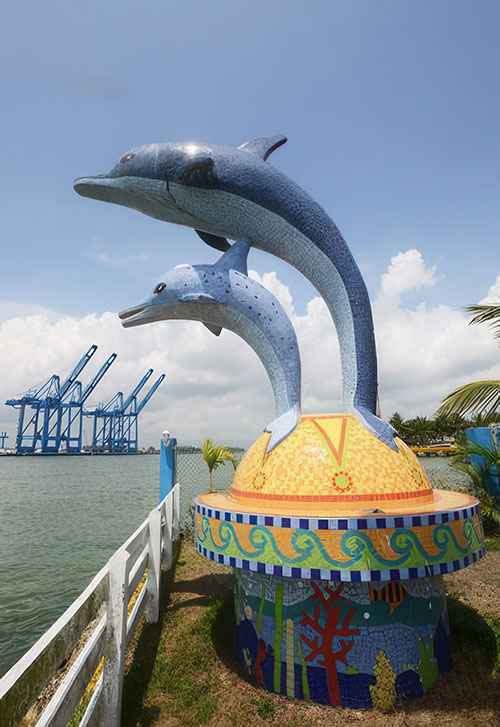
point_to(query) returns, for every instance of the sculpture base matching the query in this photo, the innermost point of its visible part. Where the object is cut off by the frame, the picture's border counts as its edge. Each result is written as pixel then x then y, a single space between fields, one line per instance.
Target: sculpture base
pixel 350 644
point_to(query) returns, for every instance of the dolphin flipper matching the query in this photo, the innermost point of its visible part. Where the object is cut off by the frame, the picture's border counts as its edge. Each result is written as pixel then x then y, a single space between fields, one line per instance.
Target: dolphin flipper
pixel 282 427
pixel 382 430
pixel 219 243
pixel 216 330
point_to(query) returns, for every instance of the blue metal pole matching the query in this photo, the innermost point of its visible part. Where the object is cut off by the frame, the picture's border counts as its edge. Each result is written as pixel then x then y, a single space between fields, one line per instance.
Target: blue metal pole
pixel 167 467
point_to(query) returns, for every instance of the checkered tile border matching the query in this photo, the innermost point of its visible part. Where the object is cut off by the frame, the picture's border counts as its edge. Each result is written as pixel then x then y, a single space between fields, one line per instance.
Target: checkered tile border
pixel 316 574
pixel 375 522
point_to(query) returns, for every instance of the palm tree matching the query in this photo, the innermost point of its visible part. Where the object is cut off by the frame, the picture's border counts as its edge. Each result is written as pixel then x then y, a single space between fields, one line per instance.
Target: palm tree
pixel 214 455
pixel 478 397
pixel 419 431
pixel 480 472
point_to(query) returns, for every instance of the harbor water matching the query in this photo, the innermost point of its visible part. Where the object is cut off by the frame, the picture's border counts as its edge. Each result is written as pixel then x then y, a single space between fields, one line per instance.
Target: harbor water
pixel 61 518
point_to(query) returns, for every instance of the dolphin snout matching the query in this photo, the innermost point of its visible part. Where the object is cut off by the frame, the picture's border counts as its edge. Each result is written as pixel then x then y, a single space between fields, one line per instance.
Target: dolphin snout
pixel 90 186
pixel 129 312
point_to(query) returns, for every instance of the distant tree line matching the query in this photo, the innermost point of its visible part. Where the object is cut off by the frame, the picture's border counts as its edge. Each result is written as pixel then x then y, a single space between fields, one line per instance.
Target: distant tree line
pixel 421 431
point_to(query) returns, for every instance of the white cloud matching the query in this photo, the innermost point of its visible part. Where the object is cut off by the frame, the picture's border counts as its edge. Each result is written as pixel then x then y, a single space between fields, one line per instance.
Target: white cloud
pixel 217 386
pixel 493 297
pixel 407 271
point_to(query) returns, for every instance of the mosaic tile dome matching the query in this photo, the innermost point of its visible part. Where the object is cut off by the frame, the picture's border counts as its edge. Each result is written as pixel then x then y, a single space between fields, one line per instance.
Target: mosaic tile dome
pixel 331 461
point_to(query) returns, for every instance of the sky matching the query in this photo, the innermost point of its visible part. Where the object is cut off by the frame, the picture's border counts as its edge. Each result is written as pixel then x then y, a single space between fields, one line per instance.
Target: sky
pixel 391 111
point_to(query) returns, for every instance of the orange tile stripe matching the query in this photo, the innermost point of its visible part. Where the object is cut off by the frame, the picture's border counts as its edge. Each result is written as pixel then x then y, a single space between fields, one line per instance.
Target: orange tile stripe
pixel 332 498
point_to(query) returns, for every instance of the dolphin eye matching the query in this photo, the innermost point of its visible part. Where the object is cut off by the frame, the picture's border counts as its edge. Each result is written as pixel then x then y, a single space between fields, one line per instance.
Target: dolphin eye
pixel 160 287
pixel 127 157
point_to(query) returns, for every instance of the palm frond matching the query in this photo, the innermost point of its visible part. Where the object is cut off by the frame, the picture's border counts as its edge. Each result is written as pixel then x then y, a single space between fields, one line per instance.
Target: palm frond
pixel 480 397
pixel 489 314
pixel 216 454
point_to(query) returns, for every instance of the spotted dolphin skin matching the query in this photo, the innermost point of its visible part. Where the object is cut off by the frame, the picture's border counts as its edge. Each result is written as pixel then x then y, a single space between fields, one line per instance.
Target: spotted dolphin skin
pixel 223 296
pixel 224 192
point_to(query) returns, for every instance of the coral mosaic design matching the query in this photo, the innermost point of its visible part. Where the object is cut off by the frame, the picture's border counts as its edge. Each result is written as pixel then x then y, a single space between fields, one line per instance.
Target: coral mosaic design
pixel 350 644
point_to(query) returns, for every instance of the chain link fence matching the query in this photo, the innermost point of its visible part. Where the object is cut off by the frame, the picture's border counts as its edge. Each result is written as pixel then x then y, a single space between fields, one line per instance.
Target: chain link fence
pixel 193 477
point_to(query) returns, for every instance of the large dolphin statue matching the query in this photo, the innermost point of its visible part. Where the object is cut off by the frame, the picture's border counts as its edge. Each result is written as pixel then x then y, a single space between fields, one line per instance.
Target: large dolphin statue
pixel 223 296
pixel 224 192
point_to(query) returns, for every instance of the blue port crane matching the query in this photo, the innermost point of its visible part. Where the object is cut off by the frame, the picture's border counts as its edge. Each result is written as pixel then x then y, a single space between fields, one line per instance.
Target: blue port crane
pixel 48 414
pixel 116 423
pixel 71 426
pixel 3 437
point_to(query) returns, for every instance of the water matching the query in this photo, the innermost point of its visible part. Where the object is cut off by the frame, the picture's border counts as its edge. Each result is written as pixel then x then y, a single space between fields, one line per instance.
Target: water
pixel 61 518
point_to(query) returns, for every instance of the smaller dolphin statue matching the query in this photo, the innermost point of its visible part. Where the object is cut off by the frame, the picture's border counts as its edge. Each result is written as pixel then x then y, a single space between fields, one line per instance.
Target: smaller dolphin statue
pixel 223 296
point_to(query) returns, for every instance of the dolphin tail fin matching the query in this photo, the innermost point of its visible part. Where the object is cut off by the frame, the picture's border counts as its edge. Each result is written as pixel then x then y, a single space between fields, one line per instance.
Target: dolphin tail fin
pixel 282 427
pixel 382 430
pixel 236 257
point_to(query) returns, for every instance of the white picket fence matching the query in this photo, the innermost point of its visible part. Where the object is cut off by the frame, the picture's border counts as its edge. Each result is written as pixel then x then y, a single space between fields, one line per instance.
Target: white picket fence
pixel 101 611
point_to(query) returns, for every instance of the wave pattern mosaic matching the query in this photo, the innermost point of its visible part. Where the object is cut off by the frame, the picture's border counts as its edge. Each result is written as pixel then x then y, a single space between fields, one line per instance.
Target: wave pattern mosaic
pixel 385 553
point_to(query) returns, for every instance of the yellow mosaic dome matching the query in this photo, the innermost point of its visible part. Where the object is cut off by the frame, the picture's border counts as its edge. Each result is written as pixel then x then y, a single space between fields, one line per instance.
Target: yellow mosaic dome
pixel 331 462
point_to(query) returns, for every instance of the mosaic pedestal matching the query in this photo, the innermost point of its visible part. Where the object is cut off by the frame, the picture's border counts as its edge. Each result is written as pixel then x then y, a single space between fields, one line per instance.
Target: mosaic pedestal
pixel 342 643
pixel 339 545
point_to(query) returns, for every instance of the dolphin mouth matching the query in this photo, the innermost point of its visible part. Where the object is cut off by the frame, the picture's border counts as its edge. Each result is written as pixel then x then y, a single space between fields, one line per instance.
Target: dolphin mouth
pixel 132 316
pixel 92 186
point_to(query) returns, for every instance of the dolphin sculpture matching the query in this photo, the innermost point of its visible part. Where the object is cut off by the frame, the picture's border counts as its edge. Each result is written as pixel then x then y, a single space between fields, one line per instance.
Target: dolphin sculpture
pixel 223 296
pixel 224 192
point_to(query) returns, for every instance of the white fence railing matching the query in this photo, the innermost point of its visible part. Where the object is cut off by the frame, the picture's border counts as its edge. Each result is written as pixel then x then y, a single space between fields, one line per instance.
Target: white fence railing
pixel 100 616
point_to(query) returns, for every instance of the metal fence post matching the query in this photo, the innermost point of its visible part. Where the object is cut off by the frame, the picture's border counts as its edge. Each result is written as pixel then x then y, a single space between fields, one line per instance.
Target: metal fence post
pixel 154 567
pixel 116 639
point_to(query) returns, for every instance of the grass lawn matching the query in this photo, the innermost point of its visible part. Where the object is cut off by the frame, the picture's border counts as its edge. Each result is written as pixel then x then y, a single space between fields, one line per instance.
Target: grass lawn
pixel 183 670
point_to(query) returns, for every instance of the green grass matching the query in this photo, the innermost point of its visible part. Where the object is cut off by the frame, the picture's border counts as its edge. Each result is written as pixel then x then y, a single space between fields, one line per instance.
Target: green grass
pixel 475 639
pixel 264 707
pixel 492 543
pixel 185 673
pixel 493 621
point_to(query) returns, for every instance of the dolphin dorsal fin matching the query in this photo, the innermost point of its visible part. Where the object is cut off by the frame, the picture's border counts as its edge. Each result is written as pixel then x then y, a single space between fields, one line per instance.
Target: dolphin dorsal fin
pixel 264 146
pixel 236 257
